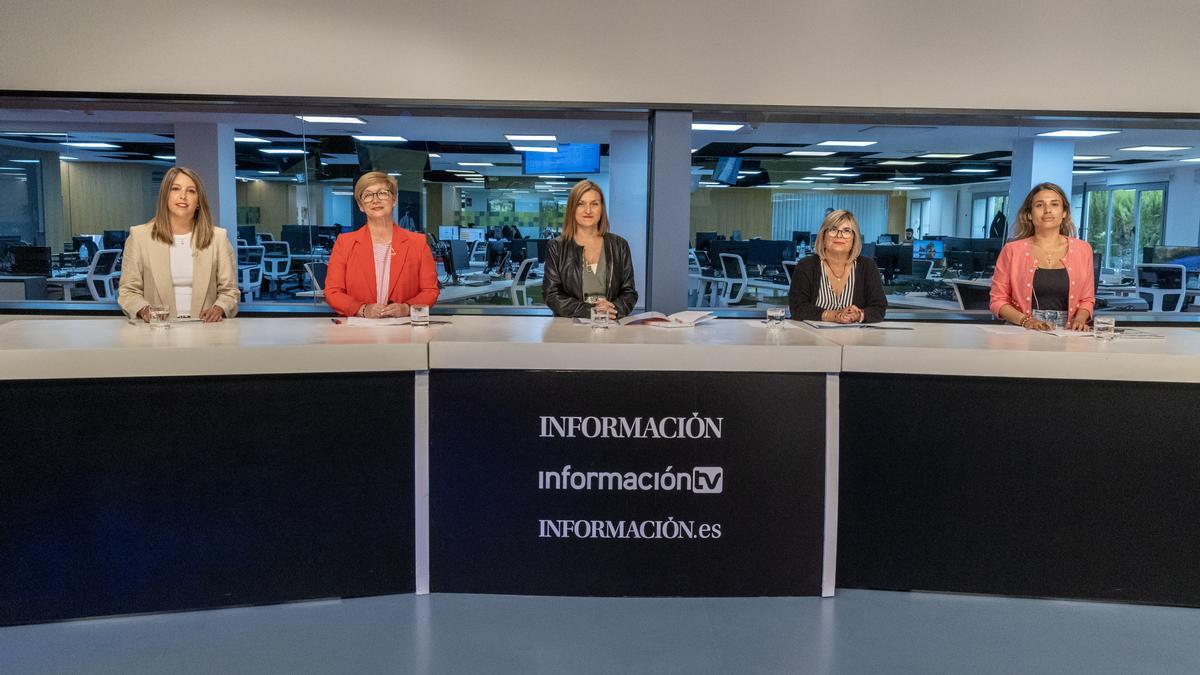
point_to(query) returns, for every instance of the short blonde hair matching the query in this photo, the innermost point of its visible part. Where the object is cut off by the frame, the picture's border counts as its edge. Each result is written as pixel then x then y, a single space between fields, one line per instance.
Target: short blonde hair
pixel 833 221
pixel 371 178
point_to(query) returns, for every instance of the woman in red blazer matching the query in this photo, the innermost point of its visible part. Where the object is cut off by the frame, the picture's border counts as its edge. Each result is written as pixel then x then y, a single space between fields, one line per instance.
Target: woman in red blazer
pixel 379 270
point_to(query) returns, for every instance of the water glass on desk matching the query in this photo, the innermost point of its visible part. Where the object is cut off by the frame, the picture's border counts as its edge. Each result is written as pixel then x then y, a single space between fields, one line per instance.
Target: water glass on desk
pixel 775 317
pixel 159 317
pixel 1055 317
pixel 599 315
pixel 419 315
pixel 1104 328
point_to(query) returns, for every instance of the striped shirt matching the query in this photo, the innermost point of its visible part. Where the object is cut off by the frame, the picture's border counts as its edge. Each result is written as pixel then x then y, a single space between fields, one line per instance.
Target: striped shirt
pixel 827 298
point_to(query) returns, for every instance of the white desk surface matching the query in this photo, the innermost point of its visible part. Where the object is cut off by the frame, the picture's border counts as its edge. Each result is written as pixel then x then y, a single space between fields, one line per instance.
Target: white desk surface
pixel 70 348
pixel 455 294
pixel 970 350
pixel 547 343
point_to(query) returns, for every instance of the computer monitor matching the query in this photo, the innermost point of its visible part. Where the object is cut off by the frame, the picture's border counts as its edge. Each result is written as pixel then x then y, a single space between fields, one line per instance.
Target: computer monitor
pixel 115 239
pixel 702 239
pixel 447 232
pixel 497 255
pixel 300 238
pixel 868 251
pixel 927 249
pixel 893 260
pixel 457 260
pixel 769 252
pixel 736 235
pixel 888 239
pixel 248 234
pixel 727 169
pixel 961 261
pixel 471 233
pixel 536 247
pixel 33 260
pixel 327 234
pixel 716 248
pixel 86 246
pixel 799 237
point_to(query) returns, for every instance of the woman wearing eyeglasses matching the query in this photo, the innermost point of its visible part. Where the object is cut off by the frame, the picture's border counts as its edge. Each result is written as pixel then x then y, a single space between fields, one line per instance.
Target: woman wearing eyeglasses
pixel 379 270
pixel 836 283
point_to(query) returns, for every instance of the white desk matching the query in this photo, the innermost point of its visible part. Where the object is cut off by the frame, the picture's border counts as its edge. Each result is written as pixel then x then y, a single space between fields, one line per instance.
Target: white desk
pixel 67 283
pixel 454 294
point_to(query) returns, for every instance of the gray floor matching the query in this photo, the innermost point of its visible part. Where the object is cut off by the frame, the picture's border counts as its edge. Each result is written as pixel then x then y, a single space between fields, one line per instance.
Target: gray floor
pixel 856 632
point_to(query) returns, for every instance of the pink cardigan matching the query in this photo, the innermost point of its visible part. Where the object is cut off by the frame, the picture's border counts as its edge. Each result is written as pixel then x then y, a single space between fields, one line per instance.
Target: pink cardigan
pixel 1012 284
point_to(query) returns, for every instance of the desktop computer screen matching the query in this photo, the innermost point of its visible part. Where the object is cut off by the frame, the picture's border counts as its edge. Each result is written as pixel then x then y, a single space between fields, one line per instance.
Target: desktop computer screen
pixel 447 232
pixel 33 260
pixel 115 239
pixel 458 257
pixel 86 246
pixel 703 238
pixel 926 249
pixel 471 233
pixel 888 239
pixel 769 252
pixel 300 238
pixel 247 234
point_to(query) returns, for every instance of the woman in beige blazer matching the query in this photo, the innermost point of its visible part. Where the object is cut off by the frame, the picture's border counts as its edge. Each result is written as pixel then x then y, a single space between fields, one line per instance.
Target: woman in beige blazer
pixel 179 260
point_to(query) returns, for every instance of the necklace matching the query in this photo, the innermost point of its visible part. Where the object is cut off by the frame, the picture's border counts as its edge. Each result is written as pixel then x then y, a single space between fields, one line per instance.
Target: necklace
pixel 835 274
pixel 1047 253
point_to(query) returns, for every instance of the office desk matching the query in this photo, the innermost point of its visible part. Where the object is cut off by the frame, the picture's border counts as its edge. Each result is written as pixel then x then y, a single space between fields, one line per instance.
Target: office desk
pixel 455 294
pixel 1020 464
pixel 510 506
pixel 205 465
pixel 22 287
pixel 67 283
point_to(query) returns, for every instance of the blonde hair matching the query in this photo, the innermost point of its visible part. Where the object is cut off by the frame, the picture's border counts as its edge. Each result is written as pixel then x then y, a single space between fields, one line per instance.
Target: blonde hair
pixel 569 225
pixel 833 221
pixel 1025 213
pixel 202 224
pixel 370 178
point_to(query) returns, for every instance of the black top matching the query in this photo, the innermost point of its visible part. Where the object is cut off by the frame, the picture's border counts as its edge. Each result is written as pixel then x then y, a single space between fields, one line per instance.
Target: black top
pixel 1051 288
pixel 562 274
pixel 806 285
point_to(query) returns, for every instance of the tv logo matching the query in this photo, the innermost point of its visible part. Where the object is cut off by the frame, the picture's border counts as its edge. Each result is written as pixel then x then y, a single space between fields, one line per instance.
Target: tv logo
pixel 708 480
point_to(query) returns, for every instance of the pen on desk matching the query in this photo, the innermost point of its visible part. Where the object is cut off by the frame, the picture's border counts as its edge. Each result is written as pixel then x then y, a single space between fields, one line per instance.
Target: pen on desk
pixel 337 321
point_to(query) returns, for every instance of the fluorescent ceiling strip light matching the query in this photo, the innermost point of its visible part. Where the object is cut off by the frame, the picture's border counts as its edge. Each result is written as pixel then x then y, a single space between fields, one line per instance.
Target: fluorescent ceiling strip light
pixel 1089 158
pixel 527 137
pixel 1156 148
pixel 534 148
pixel 329 119
pixel 393 173
pixel 710 126
pixel 281 151
pixel 248 139
pixel 909 178
pixel 849 144
pixel 973 171
pixel 816 178
pixel 28 161
pixel 832 168
pixel 749 173
pixel 269 173
pixel 809 153
pixel 695 149
pixel 434 155
pixel 799 182
pixel 877 182
pixel 551 177
pixel 824 188
pixel 1076 133
pixel 476 164
pixel 70 157
pixel 168 158
pixel 1193 159
pixel 844 175
pixel 382 139
pixel 461 171
pixel 945 155
pixel 89 145
pixel 1085 172
pixel 898 162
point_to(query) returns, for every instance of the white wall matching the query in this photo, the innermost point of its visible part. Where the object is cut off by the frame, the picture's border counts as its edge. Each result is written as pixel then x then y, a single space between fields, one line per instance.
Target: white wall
pixel 1101 55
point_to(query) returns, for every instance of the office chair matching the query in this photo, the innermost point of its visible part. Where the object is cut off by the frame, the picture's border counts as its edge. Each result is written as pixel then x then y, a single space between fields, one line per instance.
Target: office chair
pixel 520 281
pixel 736 278
pixel 104 274
pixel 1163 287
pixel 260 237
pixel 250 271
pixel 277 263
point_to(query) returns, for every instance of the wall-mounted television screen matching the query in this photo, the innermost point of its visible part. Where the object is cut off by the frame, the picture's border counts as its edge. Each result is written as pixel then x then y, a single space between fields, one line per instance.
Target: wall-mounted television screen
pixel 570 158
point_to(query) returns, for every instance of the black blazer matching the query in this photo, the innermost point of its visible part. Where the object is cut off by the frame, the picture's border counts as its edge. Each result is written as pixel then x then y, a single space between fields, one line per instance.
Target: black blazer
pixel 806 284
pixel 563 277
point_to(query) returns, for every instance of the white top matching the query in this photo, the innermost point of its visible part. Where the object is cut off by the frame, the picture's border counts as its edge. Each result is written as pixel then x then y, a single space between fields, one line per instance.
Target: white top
pixel 181 273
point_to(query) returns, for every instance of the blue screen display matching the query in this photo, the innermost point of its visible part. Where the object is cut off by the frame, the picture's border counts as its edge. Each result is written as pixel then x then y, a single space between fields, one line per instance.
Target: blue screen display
pixel 570 158
pixel 925 249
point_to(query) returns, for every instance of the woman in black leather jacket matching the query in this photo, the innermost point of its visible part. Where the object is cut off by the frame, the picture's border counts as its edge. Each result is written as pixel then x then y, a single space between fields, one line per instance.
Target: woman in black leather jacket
pixel 588 264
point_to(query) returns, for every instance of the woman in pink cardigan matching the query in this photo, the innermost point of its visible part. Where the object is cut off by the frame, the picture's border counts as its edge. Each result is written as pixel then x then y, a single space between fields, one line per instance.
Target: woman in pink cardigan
pixel 1045 266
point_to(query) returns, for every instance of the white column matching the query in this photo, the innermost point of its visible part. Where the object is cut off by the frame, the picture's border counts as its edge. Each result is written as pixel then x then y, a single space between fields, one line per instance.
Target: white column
pixel 1183 208
pixel 628 196
pixel 1038 161
pixel 208 149
pixel 666 285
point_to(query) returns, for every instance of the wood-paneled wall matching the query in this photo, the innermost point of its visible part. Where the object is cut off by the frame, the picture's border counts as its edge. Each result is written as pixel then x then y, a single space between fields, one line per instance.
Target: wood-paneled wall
pixel 728 209
pixel 100 196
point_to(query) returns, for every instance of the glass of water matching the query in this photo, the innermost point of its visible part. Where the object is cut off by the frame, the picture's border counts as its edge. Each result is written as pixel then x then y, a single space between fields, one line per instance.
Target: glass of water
pixel 159 317
pixel 1104 328
pixel 419 315
pixel 599 317
pixel 775 317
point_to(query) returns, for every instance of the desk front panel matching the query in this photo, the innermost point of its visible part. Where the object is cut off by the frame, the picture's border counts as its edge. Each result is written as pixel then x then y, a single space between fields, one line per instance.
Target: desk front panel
pixel 1052 488
pixel 123 496
pixel 626 483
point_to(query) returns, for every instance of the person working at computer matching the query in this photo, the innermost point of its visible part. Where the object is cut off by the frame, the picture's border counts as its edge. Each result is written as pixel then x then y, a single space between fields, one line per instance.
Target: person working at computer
pixel 588 265
pixel 1045 267
pixel 379 270
pixel 179 260
pixel 836 283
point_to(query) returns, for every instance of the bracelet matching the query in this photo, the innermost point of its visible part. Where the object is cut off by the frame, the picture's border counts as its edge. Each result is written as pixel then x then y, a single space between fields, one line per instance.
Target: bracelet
pixel 1024 320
